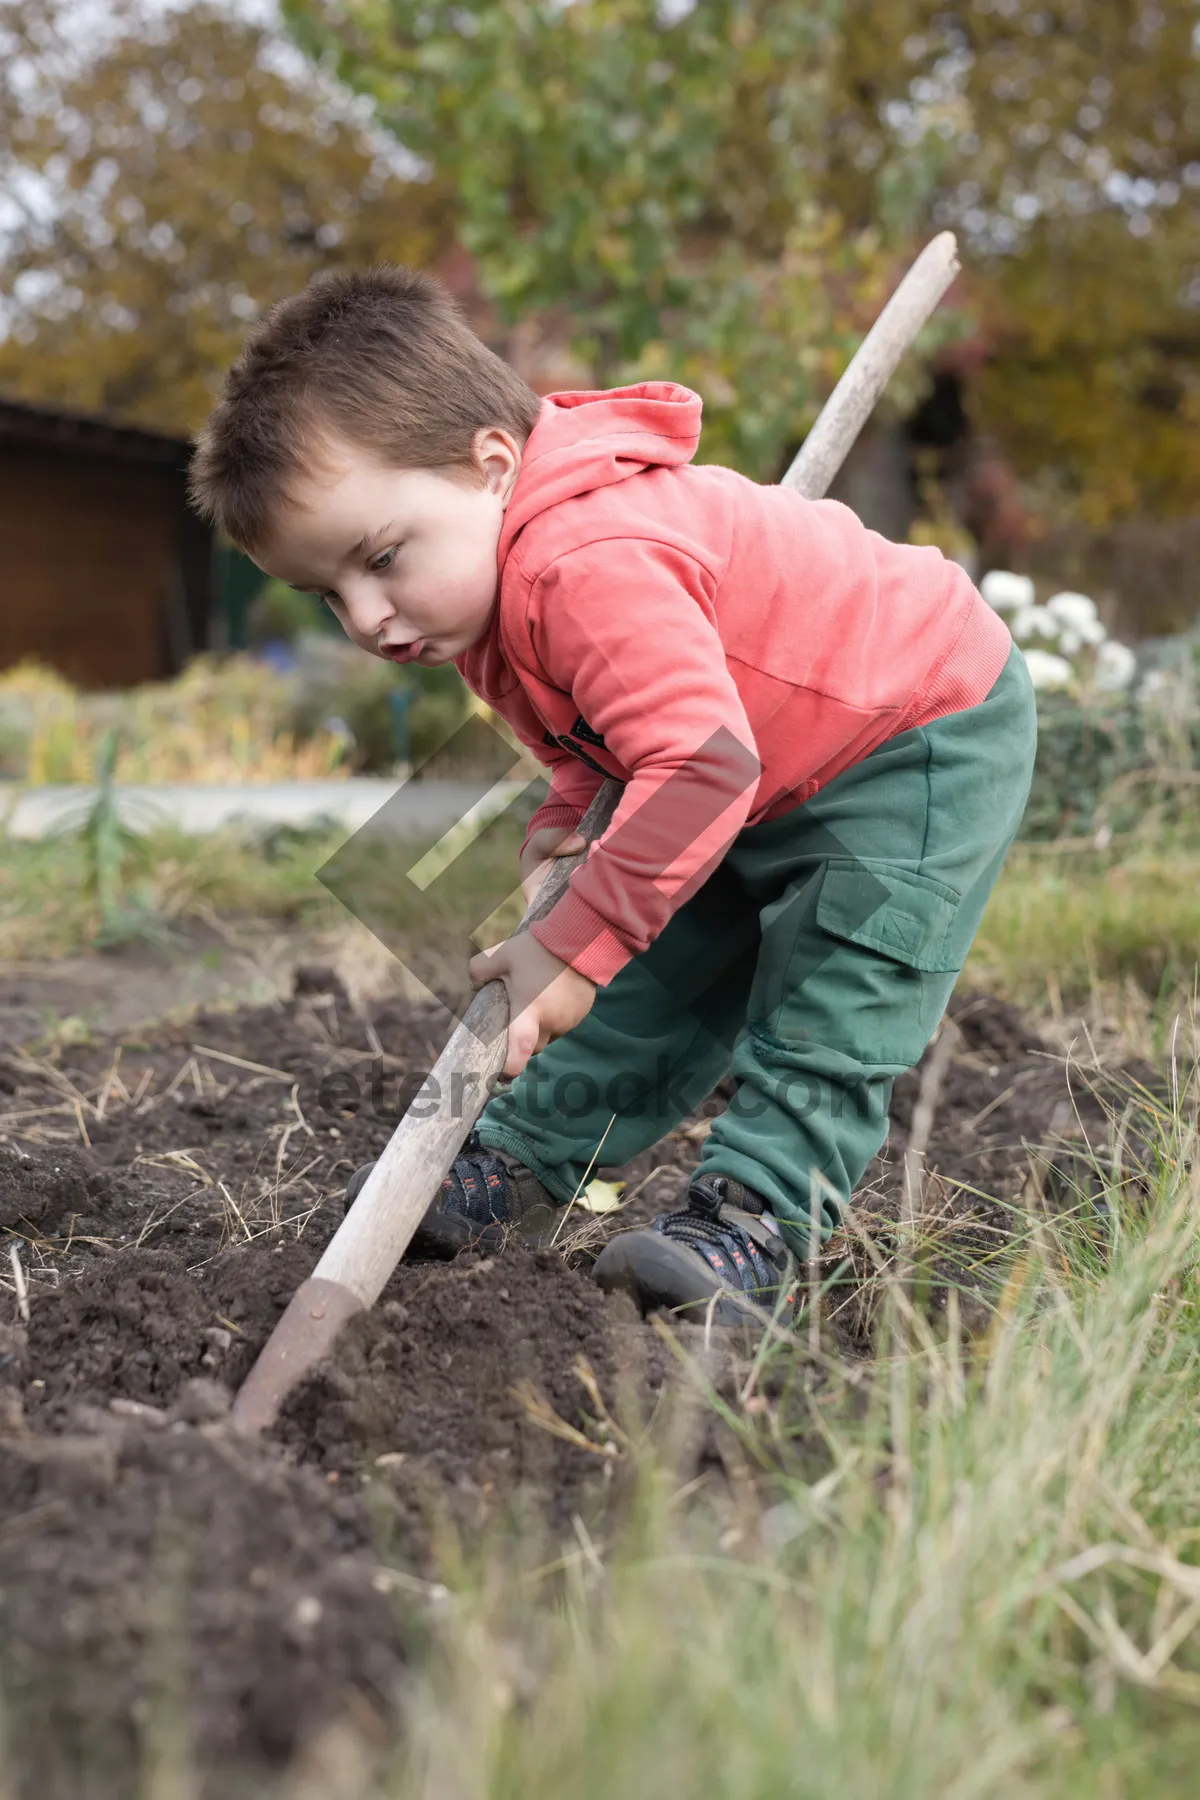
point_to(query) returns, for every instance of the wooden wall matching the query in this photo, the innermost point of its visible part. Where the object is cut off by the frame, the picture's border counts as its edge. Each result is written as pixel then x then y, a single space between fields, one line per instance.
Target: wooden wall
pixel 95 553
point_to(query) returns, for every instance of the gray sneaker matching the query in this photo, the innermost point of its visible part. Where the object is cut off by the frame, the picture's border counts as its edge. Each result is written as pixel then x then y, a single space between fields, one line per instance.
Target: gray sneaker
pixel 715 1258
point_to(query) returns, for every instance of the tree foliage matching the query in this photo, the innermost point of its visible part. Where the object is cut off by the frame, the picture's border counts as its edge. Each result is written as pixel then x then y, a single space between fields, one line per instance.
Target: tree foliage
pixel 713 190
pixel 719 191
pixel 658 181
pixel 1065 144
pixel 162 187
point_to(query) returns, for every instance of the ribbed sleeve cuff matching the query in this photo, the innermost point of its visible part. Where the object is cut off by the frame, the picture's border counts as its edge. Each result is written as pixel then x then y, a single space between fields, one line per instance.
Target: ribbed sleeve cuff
pixel 971 669
pixel 575 933
pixel 558 812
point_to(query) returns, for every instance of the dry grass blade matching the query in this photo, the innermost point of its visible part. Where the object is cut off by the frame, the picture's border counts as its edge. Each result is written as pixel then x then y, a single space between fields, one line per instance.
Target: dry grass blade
pixel 240 1062
pixel 187 1072
pixel 233 1211
pixel 36 1112
pixel 582 1181
pixel 1184 1577
pixel 14 1257
pixel 586 1376
pixel 112 1085
pixel 176 1159
pixel 138 1096
pixel 294 1103
pixel 83 1130
pixel 545 1418
pixel 912 1205
pixel 924 1112
pixel 24 1064
pixel 159 1218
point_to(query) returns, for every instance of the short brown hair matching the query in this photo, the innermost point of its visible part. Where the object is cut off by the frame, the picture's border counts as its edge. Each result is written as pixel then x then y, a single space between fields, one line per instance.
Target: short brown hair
pixel 382 356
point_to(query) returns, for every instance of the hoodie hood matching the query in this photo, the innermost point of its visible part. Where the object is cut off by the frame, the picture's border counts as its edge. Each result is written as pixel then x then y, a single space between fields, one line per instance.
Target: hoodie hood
pixel 584 441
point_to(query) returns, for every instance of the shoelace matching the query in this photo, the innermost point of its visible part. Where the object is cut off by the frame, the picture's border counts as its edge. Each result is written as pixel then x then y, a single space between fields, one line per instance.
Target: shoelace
pixel 478 1181
pixel 729 1242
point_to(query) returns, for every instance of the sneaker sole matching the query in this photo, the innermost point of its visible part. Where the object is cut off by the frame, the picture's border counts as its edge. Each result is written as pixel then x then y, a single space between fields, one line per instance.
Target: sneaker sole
pixel 445 1234
pixel 662 1275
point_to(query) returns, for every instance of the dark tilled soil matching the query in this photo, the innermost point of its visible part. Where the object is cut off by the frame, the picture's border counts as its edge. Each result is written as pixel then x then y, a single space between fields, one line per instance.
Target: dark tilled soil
pixel 159 1577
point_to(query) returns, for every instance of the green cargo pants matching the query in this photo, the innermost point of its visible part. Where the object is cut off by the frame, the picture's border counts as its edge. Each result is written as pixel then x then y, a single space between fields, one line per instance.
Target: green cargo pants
pixel 814 965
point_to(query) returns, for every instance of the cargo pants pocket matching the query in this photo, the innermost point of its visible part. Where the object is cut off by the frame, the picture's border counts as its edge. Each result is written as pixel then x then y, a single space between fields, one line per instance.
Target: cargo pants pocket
pixel 859 963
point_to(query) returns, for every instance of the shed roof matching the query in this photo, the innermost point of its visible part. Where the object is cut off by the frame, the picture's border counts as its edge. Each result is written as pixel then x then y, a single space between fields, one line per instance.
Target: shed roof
pixel 52 428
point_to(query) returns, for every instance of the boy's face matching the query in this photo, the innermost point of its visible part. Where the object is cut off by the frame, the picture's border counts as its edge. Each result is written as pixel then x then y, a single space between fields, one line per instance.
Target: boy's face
pixel 406 558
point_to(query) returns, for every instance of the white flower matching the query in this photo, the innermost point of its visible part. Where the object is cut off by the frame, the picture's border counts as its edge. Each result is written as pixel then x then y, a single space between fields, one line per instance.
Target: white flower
pixel 1047 670
pixel 1005 591
pixel 1035 622
pixel 1116 666
pixel 1069 642
pixel 1072 609
pixel 1077 613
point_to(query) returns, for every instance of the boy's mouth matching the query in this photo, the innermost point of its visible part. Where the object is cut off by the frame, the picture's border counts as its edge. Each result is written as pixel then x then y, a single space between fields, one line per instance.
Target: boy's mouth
pixel 403 653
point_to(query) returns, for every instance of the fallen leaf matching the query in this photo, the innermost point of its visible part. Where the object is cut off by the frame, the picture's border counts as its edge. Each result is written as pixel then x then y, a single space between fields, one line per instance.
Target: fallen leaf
pixel 601 1196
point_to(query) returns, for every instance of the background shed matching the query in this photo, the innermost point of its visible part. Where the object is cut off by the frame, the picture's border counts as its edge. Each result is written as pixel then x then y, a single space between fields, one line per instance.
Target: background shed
pixel 109 576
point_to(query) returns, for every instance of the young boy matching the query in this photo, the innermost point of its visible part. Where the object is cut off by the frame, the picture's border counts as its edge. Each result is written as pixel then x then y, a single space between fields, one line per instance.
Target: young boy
pixel 826 738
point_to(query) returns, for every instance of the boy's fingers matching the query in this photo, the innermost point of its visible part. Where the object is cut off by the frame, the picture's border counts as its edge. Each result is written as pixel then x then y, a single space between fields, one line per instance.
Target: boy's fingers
pixel 532 882
pixel 482 967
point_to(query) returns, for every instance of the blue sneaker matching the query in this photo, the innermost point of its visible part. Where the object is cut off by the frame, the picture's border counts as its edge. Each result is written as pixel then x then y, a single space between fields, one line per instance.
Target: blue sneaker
pixel 487 1197
pixel 717 1254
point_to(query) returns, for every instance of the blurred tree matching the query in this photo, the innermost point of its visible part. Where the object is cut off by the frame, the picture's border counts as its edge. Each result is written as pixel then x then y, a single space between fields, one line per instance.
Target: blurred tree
pixel 652 175
pixel 164 177
pixel 715 190
pixel 1062 140
pixel 719 190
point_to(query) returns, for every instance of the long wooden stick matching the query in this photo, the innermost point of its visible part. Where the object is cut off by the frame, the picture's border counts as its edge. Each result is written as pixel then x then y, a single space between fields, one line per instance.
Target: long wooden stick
pixel 879 355
pixel 396 1195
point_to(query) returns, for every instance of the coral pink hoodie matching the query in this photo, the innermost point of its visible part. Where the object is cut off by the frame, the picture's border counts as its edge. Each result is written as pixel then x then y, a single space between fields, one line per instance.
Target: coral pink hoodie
pixel 723 648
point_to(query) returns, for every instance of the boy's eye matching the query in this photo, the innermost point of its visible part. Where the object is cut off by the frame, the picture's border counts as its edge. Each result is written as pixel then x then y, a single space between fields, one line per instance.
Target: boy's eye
pixel 384 560
pixel 329 598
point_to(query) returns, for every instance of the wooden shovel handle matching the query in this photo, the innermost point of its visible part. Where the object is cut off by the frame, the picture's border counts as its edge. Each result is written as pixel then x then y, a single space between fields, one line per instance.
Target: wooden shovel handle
pixel 878 357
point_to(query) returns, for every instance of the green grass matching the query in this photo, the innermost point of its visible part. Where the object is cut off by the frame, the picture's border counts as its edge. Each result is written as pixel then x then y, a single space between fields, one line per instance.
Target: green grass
pixel 983 1582
pixel 1070 922
pixel 1059 926
pixel 52 904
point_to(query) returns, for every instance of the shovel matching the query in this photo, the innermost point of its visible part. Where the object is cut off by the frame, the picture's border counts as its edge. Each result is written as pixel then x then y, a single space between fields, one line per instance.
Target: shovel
pixel 396 1195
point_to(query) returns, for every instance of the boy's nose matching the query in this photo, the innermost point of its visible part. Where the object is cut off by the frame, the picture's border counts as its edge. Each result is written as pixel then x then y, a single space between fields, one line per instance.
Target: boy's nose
pixel 369 610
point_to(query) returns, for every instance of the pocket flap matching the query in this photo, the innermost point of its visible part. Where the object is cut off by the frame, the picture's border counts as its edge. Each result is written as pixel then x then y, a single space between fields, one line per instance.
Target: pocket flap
pixel 887 908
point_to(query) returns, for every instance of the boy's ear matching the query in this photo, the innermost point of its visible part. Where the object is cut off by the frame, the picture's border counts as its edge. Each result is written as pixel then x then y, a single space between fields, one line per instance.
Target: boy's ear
pixel 499 456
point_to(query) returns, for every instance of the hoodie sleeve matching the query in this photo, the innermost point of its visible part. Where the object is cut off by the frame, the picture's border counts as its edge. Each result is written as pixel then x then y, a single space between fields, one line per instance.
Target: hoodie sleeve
pixel 573 787
pixel 627 628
